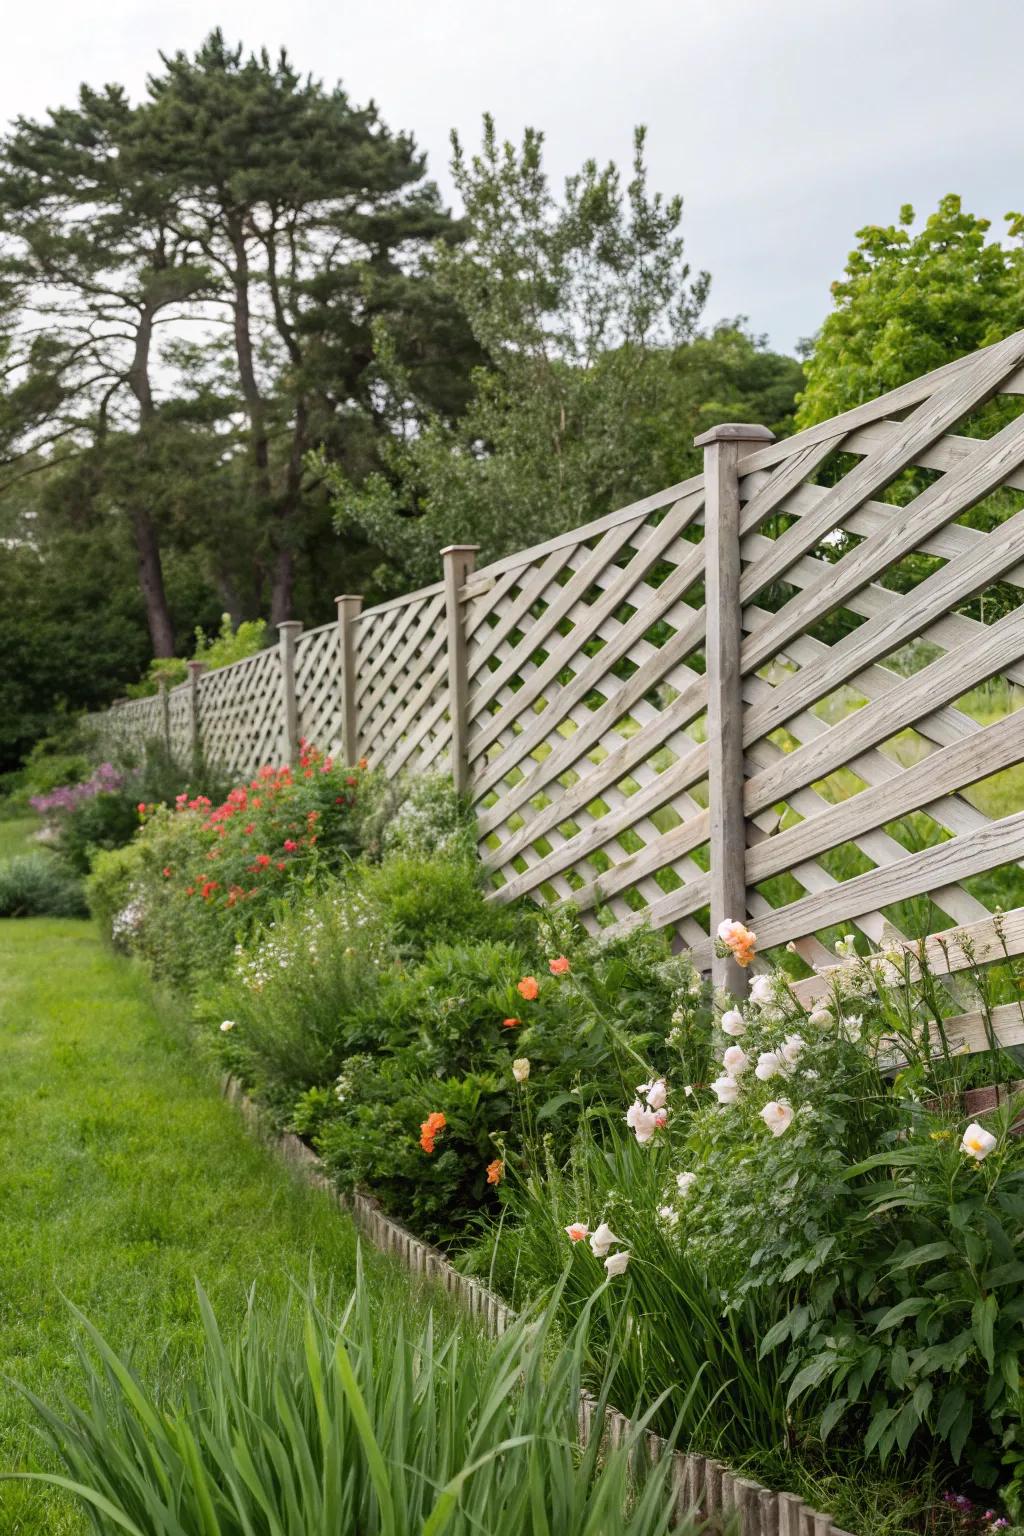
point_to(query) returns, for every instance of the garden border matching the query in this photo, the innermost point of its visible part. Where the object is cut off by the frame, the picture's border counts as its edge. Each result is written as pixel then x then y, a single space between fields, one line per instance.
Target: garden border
pixel 701 1486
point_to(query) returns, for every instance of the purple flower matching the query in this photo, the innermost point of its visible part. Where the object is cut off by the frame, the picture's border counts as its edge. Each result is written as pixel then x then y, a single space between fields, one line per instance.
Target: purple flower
pixel 67 797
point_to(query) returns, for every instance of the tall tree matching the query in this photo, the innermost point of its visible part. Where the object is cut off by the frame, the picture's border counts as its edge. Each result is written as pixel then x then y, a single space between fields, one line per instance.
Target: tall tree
pixel 911 300
pixel 594 378
pixel 92 236
pixel 314 218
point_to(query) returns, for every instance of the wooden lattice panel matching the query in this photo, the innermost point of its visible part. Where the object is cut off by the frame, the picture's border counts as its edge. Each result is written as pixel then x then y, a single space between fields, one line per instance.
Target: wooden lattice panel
pixel 883 663
pixel 179 720
pixel 241 713
pixel 318 660
pixel 587 705
pixel 128 726
pixel 402 687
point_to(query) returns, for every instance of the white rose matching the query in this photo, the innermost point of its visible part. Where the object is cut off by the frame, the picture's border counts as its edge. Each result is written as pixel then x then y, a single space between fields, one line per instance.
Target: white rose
pixel 733 1023
pixel 617 1263
pixel 227 1025
pixel 762 989
pixel 791 1047
pixel 821 1017
pixel 735 1061
pixel 769 1064
pixel 656 1093
pixel 685 1182
pixel 726 1089
pixel 521 1069
pixel 643 1122
pixel 602 1239
pixel 977 1142
pixel 777 1116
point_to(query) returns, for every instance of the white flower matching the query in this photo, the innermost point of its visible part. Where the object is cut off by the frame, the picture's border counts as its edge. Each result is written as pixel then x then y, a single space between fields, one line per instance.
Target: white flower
pixel 853 1026
pixel 617 1263
pixel 769 1064
pixel 521 1069
pixel 602 1239
pixel 762 989
pixel 809 1072
pixel 820 1017
pixel 656 1092
pixel 643 1122
pixel 977 1142
pixel 733 1023
pixel 790 1048
pixel 227 1025
pixel 735 1061
pixel 685 1182
pixel 668 1214
pixel 688 1092
pixel 777 1116
pixel 726 1089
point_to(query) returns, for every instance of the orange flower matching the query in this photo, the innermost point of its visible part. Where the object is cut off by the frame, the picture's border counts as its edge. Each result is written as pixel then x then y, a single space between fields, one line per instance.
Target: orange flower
pixel 428 1130
pixel 736 939
pixel 495 1171
pixel 364 762
pixel 510 1023
pixel 559 967
pixel 528 988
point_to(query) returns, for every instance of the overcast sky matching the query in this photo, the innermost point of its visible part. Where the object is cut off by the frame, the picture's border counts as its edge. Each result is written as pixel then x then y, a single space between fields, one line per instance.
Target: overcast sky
pixel 785 125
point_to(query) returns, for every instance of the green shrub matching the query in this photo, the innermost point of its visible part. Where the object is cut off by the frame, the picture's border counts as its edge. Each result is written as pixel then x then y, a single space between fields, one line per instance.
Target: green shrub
pixel 104 821
pixel 437 899
pixel 39 885
pixel 305 1423
pixel 111 883
pixel 220 650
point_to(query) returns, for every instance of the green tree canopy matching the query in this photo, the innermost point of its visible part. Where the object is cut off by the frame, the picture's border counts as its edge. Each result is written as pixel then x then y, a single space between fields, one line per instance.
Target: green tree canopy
pixel 911 300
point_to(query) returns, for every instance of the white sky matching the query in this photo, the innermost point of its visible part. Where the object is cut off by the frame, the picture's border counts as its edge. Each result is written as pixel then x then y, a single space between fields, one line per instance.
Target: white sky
pixel 786 124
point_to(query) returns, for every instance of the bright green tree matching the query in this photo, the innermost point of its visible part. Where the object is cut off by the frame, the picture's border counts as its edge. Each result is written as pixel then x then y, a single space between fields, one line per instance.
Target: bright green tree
pixel 912 299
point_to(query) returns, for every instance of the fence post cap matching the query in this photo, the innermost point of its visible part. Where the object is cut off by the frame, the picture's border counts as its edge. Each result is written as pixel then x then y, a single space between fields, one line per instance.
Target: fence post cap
pixel 735 432
pixel 290 624
pixel 195 667
pixel 460 549
pixel 349 597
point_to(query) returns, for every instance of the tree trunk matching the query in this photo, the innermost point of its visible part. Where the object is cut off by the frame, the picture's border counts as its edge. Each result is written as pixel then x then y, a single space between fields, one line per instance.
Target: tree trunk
pixel 151 581
pixel 147 542
pixel 282 583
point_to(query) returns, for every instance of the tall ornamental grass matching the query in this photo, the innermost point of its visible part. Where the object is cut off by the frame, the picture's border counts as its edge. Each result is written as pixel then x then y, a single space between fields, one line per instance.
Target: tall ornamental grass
pixel 306 1423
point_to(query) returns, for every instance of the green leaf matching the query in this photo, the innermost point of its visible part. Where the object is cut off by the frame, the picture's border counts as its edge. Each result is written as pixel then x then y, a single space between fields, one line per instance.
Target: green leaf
pixel 903 1309
pixel 983 1322
pixel 926 1254
pixel 952 1404
pixel 833 1413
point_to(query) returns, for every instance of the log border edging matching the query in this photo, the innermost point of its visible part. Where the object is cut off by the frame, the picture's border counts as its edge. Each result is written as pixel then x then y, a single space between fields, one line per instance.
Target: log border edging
pixel 701 1486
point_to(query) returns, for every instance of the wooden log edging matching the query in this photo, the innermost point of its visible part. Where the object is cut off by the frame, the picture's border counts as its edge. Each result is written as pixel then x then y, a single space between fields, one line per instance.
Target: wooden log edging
pixel 702 1488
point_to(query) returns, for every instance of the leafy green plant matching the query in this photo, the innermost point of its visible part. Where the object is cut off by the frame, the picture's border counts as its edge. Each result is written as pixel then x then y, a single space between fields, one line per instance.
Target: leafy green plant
pixel 220 650
pixel 39 885
pixel 306 1422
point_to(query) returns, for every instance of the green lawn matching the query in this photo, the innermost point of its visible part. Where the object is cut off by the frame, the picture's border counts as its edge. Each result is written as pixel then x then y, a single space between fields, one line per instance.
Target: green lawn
pixel 123 1175
pixel 16 836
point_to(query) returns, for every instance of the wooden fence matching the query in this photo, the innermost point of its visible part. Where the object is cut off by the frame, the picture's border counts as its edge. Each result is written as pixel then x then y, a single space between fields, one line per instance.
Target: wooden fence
pixel 784 690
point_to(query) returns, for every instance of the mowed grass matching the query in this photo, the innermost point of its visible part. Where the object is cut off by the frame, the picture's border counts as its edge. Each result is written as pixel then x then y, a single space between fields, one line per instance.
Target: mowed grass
pixel 17 835
pixel 123 1177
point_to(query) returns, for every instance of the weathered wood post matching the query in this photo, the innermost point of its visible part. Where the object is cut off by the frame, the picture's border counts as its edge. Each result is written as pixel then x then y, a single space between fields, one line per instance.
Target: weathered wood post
pixel 459 565
pixel 195 672
pixel 349 609
pixel 728 841
pixel 288 632
pixel 165 712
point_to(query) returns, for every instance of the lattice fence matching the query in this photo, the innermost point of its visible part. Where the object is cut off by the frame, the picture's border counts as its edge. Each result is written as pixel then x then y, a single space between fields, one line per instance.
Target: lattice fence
pixel 830 742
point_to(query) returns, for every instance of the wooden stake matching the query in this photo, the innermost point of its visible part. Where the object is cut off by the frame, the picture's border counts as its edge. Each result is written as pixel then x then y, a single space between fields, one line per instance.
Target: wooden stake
pixel 349 609
pixel 288 633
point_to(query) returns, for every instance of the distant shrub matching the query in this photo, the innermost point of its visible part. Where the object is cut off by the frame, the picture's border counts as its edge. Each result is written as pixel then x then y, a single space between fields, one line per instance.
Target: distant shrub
pixel 220 650
pixel 39 885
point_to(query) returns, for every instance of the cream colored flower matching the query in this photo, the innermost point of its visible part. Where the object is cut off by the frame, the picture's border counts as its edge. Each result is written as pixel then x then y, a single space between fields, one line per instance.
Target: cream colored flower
pixel 777 1116
pixel 725 1089
pixel 602 1239
pixel 669 1215
pixel 762 989
pixel 820 1018
pixel 769 1064
pixel 977 1142
pixel 735 1061
pixel 790 1049
pixel 227 1026
pixel 643 1122
pixel 685 1182
pixel 655 1092
pixel 521 1069
pixel 617 1263
pixel 733 1023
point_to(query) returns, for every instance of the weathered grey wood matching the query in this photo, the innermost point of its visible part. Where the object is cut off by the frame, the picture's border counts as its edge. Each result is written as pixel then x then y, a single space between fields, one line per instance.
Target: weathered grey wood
pixel 165 713
pixel 288 632
pixel 349 608
pixel 1000 842
pixel 728 840
pixel 195 672
pixel 459 563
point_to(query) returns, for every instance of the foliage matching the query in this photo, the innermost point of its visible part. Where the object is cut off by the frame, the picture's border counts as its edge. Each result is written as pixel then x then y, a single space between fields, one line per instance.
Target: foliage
pixel 418 816
pixel 124 1176
pixel 228 645
pixel 910 301
pixel 593 382
pixel 39 885
pixel 334 1414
